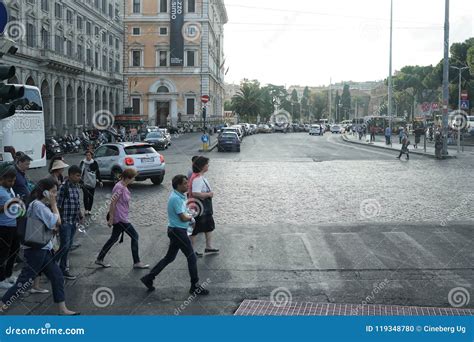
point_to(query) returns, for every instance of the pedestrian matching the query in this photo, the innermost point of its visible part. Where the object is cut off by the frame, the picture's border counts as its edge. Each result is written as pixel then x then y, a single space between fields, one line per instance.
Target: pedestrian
pixel 438 145
pixel 190 172
pixel 404 149
pixel 418 133
pixel 90 177
pixel 401 132
pixel 178 222
pixel 118 219
pixel 388 135
pixel 372 133
pixel 23 185
pixel 70 209
pixel 9 243
pixel 56 169
pixel 200 190
pixel 41 259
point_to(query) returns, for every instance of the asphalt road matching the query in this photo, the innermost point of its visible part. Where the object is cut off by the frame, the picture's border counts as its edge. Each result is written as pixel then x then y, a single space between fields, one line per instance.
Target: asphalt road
pixel 307 217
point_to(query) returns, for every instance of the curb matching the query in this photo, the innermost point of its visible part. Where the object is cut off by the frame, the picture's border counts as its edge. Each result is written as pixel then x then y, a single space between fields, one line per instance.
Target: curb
pixel 346 139
pixel 213 146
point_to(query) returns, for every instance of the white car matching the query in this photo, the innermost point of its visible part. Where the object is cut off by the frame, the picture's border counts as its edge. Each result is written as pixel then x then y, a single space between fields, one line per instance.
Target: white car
pixel 315 130
pixel 336 129
pixel 234 130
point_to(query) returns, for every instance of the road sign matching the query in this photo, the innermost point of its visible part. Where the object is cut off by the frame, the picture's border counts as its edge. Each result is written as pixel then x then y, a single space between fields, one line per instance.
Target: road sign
pixel 425 107
pixel 205 138
pixel 3 17
pixel 464 104
pixel 434 106
pixel 205 98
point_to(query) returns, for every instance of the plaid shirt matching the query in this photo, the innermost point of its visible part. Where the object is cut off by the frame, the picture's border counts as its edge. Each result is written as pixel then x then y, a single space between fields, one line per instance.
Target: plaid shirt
pixel 69 205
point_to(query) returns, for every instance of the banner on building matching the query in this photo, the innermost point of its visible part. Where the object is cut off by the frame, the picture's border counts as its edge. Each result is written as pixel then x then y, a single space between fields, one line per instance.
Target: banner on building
pixel 176 36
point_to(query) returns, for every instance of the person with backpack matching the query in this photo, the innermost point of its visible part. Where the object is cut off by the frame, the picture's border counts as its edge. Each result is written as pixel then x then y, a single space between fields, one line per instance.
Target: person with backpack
pixel 42 207
pixel 404 149
pixel 70 208
pixel 90 177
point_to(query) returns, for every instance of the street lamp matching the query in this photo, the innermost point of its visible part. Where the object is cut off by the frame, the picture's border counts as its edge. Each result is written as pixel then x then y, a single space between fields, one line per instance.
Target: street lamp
pixel 338 109
pixel 459 102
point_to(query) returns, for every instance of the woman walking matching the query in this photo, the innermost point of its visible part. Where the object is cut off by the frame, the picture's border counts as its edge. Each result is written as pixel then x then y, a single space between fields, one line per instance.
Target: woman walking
pixel 41 259
pixel 56 169
pixel 90 176
pixel 118 219
pixel 199 188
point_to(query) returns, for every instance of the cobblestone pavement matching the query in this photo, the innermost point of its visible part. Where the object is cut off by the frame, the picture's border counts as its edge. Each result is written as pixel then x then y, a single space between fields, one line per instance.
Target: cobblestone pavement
pixel 299 216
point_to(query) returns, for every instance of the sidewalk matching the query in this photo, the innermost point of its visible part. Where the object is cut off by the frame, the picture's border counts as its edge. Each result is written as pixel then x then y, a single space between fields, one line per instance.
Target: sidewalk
pixel 380 143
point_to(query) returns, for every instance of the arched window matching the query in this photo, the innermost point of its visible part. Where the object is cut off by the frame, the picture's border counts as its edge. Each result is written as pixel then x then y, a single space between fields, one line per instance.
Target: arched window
pixel 163 89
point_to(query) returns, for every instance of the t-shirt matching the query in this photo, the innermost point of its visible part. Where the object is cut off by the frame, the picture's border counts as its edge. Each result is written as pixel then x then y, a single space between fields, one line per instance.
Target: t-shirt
pixel 176 207
pixel 123 202
pixel 200 184
pixel 7 219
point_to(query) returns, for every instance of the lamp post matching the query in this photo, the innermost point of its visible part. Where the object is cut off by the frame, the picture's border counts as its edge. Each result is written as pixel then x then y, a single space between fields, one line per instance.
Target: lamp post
pixel 459 103
pixel 390 85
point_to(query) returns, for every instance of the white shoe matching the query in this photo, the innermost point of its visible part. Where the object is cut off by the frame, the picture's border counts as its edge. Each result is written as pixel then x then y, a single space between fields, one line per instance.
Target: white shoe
pixel 12 279
pixel 5 285
pixel 34 291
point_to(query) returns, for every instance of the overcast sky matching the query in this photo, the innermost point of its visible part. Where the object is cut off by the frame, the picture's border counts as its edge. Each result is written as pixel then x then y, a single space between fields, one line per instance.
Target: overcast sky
pixel 306 42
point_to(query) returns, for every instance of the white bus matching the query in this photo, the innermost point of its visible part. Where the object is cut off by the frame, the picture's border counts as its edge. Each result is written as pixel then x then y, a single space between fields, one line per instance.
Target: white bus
pixel 24 131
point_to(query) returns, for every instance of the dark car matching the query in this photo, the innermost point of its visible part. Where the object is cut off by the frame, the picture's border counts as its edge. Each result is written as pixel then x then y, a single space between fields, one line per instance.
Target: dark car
pixel 157 140
pixel 228 141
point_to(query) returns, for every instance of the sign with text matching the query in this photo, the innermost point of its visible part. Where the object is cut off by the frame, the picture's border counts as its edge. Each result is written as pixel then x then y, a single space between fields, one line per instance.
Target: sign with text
pixel 176 36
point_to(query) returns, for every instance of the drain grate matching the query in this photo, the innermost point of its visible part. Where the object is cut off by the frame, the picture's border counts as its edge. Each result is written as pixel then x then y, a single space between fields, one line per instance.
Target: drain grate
pixel 267 308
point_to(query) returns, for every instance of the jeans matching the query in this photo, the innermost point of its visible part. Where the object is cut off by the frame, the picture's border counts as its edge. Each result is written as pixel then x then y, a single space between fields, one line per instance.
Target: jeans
pixel 387 139
pixel 372 137
pixel 9 245
pixel 66 237
pixel 37 260
pixel 88 198
pixel 118 229
pixel 179 240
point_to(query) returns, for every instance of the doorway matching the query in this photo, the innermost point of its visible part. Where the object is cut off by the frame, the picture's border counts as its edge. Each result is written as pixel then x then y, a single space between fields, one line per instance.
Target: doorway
pixel 162 112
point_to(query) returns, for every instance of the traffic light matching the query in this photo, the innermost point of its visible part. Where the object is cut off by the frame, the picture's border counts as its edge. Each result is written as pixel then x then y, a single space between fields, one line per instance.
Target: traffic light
pixel 8 93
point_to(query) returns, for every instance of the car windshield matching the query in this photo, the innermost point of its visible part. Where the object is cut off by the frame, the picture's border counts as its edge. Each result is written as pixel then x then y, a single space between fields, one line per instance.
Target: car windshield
pixel 139 149
pixel 154 135
pixel 229 135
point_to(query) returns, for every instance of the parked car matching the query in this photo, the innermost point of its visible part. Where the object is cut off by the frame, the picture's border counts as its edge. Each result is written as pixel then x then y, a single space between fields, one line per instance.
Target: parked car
pixel 157 140
pixel 113 158
pixel 253 129
pixel 306 127
pixel 235 130
pixel 336 129
pixel 166 134
pixel 281 127
pixel 228 141
pixel 240 131
pixel 315 130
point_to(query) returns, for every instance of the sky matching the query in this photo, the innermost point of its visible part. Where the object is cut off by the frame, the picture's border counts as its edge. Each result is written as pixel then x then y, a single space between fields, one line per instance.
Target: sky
pixel 310 42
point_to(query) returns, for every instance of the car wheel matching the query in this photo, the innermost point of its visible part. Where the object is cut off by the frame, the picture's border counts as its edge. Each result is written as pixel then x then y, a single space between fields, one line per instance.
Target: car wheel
pixel 238 149
pixel 157 180
pixel 116 174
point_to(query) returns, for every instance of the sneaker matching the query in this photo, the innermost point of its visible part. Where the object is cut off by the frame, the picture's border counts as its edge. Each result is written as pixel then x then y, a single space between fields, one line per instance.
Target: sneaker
pixel 211 250
pixel 102 263
pixel 200 255
pixel 75 246
pixel 5 285
pixel 198 290
pixel 141 266
pixel 38 291
pixel 69 276
pixel 12 279
pixel 148 283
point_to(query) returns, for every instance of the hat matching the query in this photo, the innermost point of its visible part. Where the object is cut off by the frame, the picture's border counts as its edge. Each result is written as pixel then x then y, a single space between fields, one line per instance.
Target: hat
pixel 59 164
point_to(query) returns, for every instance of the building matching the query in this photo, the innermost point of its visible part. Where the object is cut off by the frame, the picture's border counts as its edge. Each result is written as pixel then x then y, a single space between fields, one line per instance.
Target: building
pixel 230 91
pixel 174 55
pixel 72 51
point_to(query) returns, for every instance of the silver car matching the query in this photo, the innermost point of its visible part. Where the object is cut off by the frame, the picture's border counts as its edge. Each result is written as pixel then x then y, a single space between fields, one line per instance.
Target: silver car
pixel 115 157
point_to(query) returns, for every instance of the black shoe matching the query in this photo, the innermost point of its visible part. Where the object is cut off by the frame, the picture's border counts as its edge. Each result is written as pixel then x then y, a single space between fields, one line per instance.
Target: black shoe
pixel 75 246
pixel 211 250
pixel 148 283
pixel 398 157
pixel 198 290
pixel 199 254
pixel 69 276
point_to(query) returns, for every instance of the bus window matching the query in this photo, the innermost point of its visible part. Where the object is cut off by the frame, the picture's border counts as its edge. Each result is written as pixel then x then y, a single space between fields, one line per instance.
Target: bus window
pixel 31 101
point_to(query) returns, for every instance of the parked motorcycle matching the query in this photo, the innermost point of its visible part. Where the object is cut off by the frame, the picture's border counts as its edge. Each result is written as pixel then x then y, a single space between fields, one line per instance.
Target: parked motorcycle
pixel 52 148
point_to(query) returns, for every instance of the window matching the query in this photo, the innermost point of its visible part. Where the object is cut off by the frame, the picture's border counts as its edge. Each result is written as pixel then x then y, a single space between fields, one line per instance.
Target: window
pixel 45 38
pixel 104 37
pixel 190 58
pixel 58 11
pixel 59 43
pixel 111 64
pixel 104 62
pixel 190 106
pixel 96 32
pixel 104 6
pixel 69 48
pixel 163 58
pixel 96 60
pixel 80 52
pixel 163 31
pixel 111 10
pixel 88 28
pixel 45 5
pixel 111 40
pixel 191 6
pixel 136 58
pixel 136 6
pixel 163 6
pixel 89 57
pixel 96 4
pixel 80 24
pixel 136 102
pixel 117 14
pixel 30 35
pixel 135 31
pixel 69 17
pixel 117 66
pixel 117 45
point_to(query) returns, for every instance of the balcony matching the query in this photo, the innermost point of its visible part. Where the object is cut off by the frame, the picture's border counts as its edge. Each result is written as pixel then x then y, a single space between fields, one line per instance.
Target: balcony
pixel 60 62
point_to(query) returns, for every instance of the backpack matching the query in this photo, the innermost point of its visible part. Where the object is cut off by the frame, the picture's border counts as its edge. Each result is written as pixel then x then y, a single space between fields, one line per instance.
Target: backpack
pixel 89 177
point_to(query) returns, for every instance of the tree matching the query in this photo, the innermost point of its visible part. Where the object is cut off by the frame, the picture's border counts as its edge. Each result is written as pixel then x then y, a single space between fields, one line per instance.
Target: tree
pixel 305 103
pixel 228 105
pixel 295 105
pixel 346 102
pixel 319 104
pixel 248 101
pixel 337 100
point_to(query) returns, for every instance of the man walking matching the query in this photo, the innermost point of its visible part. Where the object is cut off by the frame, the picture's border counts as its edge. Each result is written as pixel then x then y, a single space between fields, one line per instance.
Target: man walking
pixel 388 135
pixel 178 223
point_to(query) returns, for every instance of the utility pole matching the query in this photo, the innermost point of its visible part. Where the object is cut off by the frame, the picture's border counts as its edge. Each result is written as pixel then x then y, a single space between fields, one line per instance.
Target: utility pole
pixel 330 95
pixel 446 80
pixel 390 69
pixel 459 124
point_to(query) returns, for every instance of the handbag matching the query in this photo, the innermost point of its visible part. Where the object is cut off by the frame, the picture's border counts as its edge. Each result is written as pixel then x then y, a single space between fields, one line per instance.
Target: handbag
pixel 32 231
pixel 89 177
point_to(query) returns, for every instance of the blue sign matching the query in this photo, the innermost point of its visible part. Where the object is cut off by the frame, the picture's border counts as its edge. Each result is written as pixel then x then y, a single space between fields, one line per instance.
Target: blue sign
pixel 205 138
pixel 464 104
pixel 3 17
